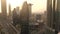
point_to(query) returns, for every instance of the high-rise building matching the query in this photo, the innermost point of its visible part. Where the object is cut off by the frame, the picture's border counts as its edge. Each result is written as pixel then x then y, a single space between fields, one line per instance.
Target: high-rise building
pixel 18 10
pixel 49 13
pixel 57 25
pixel 45 17
pixel 30 9
pixel 14 17
pixel 4 8
pixel 24 13
pixel 9 10
pixel 24 18
pixel 38 18
pixel 55 18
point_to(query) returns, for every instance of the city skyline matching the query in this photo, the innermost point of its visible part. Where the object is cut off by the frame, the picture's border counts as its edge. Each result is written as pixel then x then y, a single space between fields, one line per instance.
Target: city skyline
pixel 39 5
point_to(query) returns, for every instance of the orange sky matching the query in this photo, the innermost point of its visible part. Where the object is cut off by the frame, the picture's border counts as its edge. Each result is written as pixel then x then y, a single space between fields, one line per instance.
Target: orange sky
pixel 38 5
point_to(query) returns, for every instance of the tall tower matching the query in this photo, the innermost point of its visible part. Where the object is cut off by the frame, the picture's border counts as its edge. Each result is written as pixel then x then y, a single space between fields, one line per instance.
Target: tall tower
pixel 9 10
pixel 24 13
pixel 49 13
pixel 52 13
pixel 30 9
pixel 57 15
pixel 4 8
pixel 18 10
pixel 10 13
pixel 24 18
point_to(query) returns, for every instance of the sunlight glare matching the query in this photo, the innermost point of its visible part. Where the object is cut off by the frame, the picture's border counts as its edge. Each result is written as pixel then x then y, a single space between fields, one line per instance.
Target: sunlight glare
pixel 15 3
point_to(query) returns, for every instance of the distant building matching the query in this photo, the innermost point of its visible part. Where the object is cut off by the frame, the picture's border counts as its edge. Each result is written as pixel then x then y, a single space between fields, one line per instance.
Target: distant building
pixel 14 17
pixel 30 9
pixel 45 17
pixel 4 8
pixel 38 17
pixel 10 10
pixel 24 18
pixel 18 11
pixel 33 19
pixel 10 13
pixel 26 10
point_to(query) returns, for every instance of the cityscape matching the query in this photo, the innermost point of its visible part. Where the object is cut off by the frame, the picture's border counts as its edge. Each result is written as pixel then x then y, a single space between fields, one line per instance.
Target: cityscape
pixel 30 18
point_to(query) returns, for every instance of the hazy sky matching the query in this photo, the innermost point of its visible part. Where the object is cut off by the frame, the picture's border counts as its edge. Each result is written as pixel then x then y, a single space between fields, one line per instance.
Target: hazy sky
pixel 38 5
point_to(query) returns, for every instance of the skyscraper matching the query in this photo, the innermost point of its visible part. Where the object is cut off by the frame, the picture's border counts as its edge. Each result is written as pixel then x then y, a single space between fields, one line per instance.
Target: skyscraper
pixel 57 24
pixel 18 10
pixel 24 19
pixel 54 17
pixel 24 13
pixel 49 13
pixel 4 8
pixel 30 9
pixel 10 11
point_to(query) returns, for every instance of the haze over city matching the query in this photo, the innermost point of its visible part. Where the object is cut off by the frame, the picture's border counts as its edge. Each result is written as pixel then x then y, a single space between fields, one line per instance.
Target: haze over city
pixel 29 16
pixel 37 7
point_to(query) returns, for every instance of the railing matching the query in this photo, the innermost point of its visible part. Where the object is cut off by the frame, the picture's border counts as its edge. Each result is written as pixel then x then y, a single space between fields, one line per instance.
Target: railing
pixel 13 29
